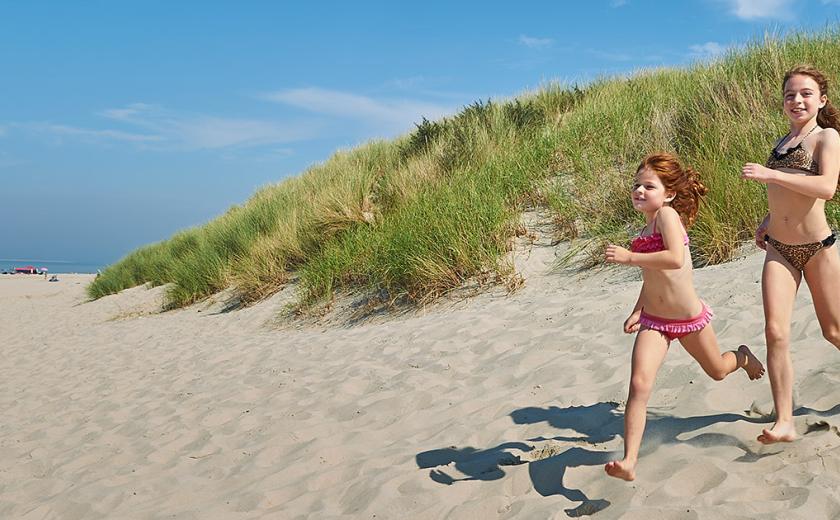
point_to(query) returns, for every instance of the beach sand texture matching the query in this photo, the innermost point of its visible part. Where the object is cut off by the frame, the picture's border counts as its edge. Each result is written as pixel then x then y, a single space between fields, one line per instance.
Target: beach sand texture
pixel 494 406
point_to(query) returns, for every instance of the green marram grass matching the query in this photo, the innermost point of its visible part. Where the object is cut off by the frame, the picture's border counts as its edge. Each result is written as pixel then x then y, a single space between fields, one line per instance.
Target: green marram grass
pixel 419 215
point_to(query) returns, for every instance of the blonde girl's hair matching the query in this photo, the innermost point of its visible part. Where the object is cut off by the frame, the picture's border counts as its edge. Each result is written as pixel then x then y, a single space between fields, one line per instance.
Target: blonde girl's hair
pixel 680 179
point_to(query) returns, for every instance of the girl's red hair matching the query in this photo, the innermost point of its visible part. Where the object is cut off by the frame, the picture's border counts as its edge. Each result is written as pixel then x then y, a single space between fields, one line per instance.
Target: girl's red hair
pixel 680 179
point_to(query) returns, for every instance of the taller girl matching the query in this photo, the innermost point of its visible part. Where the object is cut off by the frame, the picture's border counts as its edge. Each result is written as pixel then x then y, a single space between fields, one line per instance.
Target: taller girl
pixel 801 174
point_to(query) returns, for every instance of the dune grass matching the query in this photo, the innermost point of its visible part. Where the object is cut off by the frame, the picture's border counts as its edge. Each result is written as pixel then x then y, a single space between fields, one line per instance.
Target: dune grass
pixel 419 215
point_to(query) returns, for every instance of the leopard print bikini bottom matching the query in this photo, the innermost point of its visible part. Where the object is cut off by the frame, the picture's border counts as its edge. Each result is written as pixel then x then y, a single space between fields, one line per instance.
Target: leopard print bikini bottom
pixel 799 254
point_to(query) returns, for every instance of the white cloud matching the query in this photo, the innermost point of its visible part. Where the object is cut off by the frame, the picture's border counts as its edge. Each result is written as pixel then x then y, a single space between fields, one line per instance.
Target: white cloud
pixel 618 3
pixel 151 126
pixel 707 50
pixel 390 115
pixel 196 131
pixel 128 112
pixel 88 133
pixel 3 131
pixel 753 9
pixel 535 43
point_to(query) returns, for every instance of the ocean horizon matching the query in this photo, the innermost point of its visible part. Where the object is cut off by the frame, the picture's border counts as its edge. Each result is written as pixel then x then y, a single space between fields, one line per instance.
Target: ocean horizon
pixel 52 266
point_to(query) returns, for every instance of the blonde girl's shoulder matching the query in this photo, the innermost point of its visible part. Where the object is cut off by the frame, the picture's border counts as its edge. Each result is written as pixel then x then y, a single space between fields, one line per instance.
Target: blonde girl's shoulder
pixel 829 135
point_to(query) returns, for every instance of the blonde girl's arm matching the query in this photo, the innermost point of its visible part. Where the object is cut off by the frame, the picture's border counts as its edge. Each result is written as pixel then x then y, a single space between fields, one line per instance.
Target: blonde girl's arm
pixel 760 231
pixel 823 186
pixel 669 225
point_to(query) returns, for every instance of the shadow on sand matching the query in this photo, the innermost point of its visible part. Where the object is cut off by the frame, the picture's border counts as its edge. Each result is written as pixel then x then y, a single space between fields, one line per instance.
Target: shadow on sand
pixel 592 425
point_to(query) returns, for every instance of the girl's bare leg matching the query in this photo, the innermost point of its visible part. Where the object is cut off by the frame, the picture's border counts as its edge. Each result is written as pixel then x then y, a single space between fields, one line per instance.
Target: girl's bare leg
pixel 648 353
pixel 823 277
pixel 779 283
pixel 704 348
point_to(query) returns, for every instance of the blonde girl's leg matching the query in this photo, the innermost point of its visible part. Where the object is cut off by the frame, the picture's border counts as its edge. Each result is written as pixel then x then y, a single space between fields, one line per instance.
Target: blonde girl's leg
pixel 779 283
pixel 822 273
pixel 648 353
pixel 703 347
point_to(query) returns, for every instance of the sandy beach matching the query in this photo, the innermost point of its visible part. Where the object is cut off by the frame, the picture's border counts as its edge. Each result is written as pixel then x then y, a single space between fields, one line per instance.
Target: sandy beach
pixel 494 406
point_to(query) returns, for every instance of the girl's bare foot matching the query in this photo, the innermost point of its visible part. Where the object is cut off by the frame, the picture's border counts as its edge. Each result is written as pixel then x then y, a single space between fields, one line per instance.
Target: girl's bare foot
pixel 780 432
pixel 621 469
pixel 752 366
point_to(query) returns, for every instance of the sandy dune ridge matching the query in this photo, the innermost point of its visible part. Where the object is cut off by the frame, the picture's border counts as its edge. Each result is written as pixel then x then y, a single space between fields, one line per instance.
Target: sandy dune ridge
pixel 496 406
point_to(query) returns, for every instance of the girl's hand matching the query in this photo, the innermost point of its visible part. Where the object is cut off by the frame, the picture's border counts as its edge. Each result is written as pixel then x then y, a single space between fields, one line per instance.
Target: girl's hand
pixel 617 255
pixel 631 324
pixel 760 231
pixel 757 172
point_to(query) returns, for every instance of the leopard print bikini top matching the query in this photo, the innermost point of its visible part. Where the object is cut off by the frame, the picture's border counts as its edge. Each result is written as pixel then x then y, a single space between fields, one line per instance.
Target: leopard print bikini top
pixel 796 158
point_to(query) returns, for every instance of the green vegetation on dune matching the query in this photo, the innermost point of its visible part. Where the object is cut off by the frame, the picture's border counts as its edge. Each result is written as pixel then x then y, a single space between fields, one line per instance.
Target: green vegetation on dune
pixel 419 215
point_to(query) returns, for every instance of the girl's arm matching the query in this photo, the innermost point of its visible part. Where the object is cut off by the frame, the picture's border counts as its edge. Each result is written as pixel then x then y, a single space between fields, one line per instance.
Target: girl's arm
pixel 631 324
pixel 673 257
pixel 823 186
pixel 760 231
pixel 639 305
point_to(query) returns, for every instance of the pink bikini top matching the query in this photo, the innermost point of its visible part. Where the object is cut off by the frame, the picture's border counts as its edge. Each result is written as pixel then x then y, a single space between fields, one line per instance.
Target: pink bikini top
pixel 651 243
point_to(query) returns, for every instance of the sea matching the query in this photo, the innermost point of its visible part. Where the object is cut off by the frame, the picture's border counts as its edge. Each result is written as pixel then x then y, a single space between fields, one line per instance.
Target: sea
pixel 52 266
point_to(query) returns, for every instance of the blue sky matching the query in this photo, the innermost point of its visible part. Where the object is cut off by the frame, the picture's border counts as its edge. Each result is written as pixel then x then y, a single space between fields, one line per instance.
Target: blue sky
pixel 123 122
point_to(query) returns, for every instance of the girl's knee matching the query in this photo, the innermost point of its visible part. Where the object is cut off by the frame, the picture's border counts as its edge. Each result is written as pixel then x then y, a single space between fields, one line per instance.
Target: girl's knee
pixel 718 374
pixel 832 335
pixel 640 387
pixel 776 334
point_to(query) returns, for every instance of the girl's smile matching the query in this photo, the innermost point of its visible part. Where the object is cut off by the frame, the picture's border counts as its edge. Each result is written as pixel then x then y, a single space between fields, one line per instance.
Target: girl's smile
pixel 648 193
pixel 802 98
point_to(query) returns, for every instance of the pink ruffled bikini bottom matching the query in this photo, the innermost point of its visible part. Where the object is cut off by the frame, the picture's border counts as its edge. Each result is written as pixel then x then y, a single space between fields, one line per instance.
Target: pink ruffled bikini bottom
pixel 675 329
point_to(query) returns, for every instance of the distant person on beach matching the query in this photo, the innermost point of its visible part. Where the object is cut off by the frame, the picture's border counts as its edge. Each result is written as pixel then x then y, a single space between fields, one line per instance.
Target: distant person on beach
pixel 801 174
pixel 668 308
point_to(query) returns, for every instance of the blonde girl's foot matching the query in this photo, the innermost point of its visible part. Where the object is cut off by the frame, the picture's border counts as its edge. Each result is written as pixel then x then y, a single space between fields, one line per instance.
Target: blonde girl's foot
pixel 622 469
pixel 752 366
pixel 780 432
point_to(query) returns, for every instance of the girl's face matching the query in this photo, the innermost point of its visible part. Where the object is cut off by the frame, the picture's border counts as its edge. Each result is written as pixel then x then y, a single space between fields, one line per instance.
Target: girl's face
pixel 802 99
pixel 649 194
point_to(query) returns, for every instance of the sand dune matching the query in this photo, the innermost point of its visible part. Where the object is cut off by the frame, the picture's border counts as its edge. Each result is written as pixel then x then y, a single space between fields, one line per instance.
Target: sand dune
pixel 497 406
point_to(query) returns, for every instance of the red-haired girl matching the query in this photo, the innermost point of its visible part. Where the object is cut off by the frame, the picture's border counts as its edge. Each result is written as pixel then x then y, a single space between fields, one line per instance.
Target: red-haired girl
pixel 668 308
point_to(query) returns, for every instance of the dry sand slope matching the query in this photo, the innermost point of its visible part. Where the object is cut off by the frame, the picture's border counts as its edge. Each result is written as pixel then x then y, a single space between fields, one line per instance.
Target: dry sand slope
pixel 492 407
